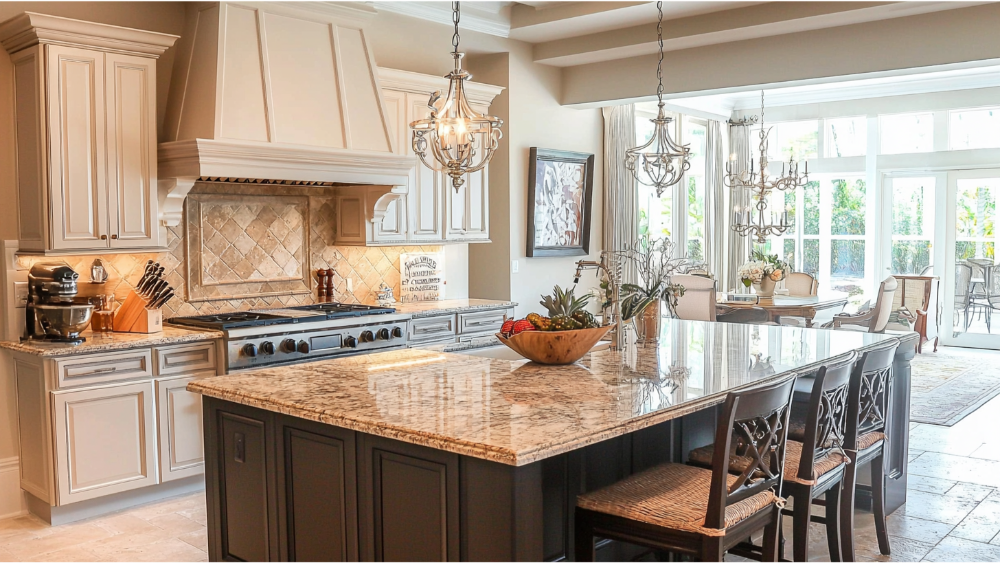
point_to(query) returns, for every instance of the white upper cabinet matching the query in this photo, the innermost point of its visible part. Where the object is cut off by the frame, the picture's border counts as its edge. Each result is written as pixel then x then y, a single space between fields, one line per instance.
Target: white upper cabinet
pixel 435 212
pixel 85 116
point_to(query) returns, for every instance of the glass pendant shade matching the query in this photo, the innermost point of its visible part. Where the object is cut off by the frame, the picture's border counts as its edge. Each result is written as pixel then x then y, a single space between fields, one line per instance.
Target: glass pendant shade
pixel 660 163
pixel 455 139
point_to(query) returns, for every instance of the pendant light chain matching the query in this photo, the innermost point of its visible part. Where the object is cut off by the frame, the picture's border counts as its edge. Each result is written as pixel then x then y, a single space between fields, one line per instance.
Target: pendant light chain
pixel 659 64
pixel 456 14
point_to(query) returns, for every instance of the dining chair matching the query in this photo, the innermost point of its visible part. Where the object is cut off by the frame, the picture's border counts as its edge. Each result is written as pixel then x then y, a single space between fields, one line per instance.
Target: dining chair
pixel 875 318
pixel 800 284
pixel 745 315
pixel 992 297
pixel 927 271
pixel 696 511
pixel 814 464
pixel 865 440
pixel 698 301
pixel 963 293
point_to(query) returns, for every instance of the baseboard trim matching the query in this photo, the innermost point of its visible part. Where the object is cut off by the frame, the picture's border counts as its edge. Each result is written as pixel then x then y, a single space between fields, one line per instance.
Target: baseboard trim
pixel 12 501
pixel 57 515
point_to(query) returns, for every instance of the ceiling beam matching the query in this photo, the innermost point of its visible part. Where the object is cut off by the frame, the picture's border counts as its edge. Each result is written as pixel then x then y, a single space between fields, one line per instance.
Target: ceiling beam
pixel 764 20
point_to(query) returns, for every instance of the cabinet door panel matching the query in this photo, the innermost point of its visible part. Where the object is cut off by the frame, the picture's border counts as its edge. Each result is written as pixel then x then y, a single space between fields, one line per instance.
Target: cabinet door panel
pixel 32 188
pixel 409 502
pixel 244 491
pixel 104 440
pixel 77 148
pixel 426 185
pixel 182 453
pixel 131 83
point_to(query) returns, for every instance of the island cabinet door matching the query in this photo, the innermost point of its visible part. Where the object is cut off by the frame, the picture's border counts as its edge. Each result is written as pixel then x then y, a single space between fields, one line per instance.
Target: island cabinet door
pixel 408 501
pixel 317 493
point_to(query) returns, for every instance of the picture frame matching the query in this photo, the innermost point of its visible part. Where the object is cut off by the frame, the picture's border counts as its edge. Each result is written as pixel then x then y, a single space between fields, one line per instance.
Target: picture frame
pixel 560 202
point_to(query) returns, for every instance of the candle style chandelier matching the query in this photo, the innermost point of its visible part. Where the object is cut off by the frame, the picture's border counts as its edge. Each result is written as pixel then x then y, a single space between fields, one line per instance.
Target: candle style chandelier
pixel 752 221
pixel 660 163
pixel 460 140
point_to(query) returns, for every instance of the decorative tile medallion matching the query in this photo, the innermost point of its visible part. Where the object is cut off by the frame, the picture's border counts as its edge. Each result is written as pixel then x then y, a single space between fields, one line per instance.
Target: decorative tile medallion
pixel 247 246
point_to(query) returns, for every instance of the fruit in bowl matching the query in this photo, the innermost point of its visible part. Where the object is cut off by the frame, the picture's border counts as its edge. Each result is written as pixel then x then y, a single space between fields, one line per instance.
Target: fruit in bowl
pixel 563 337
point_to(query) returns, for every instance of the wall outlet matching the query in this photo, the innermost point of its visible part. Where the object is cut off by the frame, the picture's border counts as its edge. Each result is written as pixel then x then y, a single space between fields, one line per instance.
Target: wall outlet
pixel 20 294
pixel 350 285
pixel 514 267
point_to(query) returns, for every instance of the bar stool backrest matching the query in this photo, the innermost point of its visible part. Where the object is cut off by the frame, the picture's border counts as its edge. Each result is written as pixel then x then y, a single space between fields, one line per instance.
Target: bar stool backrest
pixel 826 420
pixel 757 420
pixel 868 398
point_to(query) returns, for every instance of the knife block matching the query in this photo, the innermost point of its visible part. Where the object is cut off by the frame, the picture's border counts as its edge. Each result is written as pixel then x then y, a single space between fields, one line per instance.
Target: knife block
pixel 133 316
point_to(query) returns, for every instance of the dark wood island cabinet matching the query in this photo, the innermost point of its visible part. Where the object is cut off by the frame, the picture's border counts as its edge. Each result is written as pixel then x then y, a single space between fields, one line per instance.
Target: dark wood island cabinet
pixel 416 455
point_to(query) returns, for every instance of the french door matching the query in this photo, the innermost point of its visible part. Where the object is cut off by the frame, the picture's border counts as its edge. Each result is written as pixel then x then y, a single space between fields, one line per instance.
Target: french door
pixel 943 224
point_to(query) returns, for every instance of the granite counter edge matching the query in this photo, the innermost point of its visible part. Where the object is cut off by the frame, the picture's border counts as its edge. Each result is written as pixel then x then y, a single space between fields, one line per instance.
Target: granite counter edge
pixel 112 346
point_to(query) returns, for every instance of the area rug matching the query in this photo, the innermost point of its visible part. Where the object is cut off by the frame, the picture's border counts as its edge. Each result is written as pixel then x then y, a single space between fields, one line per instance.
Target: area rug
pixel 948 385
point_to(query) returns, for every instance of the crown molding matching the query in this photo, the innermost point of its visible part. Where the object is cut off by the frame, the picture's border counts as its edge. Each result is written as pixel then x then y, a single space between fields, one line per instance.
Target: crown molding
pixel 440 12
pixel 417 83
pixel 31 28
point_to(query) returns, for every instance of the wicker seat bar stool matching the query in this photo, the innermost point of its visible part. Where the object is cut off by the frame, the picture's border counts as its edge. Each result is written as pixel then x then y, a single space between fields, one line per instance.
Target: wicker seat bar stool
pixel 814 464
pixel 865 440
pixel 701 512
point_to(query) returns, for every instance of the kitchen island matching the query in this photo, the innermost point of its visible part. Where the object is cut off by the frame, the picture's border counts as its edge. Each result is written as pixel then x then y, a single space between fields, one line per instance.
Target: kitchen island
pixel 421 455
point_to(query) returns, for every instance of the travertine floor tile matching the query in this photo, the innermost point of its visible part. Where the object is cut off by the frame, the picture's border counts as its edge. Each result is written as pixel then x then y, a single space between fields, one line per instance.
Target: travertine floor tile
pixel 198 539
pixel 939 508
pixel 981 525
pixel 171 549
pixel 929 484
pixel 176 524
pixel 68 554
pixel 924 531
pixel 57 538
pixel 970 491
pixel 968 470
pixel 956 549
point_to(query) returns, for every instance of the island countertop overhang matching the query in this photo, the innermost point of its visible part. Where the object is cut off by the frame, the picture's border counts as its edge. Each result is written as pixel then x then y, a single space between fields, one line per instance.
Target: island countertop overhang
pixel 517 412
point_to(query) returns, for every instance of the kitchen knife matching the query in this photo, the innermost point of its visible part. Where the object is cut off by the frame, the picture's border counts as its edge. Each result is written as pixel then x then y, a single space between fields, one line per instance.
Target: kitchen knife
pixel 150 268
pixel 155 289
pixel 155 277
pixel 162 299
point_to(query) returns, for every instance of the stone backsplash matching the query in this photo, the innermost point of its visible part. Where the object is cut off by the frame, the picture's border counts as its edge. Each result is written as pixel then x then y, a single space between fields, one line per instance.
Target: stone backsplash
pixel 367 267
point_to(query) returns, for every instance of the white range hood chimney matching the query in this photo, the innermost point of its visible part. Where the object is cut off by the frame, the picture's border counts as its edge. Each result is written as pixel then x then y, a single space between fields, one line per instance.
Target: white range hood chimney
pixel 277 92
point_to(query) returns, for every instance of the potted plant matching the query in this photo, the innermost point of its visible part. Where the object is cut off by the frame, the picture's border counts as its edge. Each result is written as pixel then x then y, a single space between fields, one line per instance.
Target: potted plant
pixel 763 271
pixel 641 302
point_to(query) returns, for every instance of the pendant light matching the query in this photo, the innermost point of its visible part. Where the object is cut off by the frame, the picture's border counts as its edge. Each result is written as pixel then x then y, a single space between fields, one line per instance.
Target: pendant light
pixel 661 162
pixel 459 140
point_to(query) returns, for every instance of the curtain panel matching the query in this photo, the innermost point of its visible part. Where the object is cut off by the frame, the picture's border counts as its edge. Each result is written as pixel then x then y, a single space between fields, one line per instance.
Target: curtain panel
pixel 716 203
pixel 621 209
pixel 738 253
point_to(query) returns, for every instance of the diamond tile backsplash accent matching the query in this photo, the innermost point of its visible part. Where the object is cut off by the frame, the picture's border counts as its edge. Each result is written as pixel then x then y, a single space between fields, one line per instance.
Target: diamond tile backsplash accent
pixel 367 267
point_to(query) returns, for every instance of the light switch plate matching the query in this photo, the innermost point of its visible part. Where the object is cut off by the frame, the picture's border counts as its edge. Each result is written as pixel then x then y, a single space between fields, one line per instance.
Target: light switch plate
pixel 20 294
pixel 514 266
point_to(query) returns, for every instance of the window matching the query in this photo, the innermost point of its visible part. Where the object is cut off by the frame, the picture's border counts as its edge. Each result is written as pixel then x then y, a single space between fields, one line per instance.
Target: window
pixel 847 231
pixel 912 224
pixel 975 129
pixel 906 133
pixel 655 218
pixel 694 135
pixel 846 136
pixel 798 140
pixel 975 217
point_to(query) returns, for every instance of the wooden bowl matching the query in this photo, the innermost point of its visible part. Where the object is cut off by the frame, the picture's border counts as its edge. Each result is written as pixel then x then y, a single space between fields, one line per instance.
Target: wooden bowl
pixel 555 348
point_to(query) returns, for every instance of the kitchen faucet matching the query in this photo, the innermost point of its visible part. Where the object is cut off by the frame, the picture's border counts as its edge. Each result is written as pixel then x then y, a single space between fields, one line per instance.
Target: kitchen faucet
pixel 615 309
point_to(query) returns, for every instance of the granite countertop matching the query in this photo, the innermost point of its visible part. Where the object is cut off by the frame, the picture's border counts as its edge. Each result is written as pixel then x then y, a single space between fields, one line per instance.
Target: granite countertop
pixel 117 341
pixel 430 308
pixel 517 412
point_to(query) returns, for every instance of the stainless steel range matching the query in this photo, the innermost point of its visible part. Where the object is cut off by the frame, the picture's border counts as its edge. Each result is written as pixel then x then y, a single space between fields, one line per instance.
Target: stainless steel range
pixel 299 334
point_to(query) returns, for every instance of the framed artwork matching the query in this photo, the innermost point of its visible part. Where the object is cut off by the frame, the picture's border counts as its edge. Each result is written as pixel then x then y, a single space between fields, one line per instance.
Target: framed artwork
pixel 560 197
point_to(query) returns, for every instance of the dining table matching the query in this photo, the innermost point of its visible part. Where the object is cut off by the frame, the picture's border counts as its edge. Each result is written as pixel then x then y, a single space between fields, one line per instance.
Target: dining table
pixel 814 309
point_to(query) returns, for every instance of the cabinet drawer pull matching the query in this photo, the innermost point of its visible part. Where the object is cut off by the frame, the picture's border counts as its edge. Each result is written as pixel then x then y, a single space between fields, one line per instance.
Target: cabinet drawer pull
pixel 105 370
pixel 104 237
pixel 114 237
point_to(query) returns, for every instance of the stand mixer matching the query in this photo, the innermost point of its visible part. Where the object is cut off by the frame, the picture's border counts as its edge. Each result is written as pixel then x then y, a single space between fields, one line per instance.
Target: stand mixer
pixel 50 313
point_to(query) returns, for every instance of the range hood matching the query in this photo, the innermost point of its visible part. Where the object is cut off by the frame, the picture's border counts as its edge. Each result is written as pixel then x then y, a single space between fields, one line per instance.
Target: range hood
pixel 284 92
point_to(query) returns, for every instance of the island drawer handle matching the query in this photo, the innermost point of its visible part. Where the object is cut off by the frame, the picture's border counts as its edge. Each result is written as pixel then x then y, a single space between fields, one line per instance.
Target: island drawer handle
pixel 105 370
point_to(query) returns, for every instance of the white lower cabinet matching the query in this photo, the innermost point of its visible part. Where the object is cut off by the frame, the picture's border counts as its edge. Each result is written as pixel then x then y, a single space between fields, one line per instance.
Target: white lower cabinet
pixel 105 440
pixel 180 427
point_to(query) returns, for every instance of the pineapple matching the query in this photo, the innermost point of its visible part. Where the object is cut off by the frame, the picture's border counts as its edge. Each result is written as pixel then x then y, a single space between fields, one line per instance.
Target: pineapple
pixel 563 302
pixel 563 322
pixel 585 318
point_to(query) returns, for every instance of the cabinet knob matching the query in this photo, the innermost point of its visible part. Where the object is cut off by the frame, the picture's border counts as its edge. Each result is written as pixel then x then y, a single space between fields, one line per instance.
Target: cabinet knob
pixel 104 237
pixel 114 237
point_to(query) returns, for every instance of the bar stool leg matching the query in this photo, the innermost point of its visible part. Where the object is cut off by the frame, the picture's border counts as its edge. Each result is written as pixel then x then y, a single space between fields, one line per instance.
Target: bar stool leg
pixel 800 524
pixel 833 530
pixel 769 547
pixel 584 538
pixel 711 548
pixel 878 502
pixel 847 498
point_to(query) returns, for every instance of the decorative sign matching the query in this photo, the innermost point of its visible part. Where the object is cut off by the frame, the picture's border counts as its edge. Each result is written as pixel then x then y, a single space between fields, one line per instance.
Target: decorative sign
pixel 421 277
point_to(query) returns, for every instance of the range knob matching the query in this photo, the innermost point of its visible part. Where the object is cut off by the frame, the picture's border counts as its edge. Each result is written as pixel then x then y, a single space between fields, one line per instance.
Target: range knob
pixel 288 345
pixel 397 332
pixel 267 347
pixel 250 350
pixel 303 347
pixel 382 334
pixel 351 342
pixel 367 336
